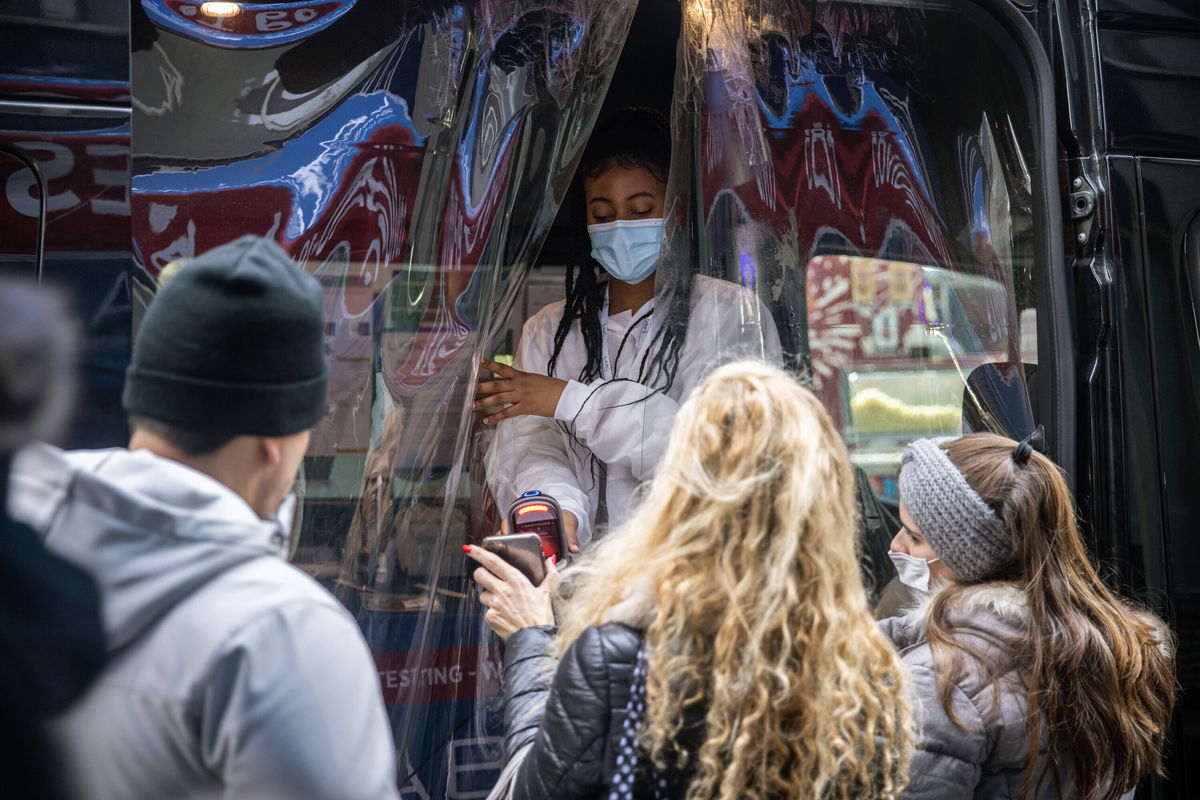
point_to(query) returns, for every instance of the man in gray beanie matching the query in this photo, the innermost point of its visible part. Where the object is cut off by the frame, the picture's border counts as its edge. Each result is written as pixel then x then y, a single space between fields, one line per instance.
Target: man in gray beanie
pixel 232 673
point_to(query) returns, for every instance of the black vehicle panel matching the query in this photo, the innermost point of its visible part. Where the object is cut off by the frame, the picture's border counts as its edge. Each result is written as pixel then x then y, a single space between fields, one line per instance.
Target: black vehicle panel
pixel 1156 202
pixel 1170 201
pixel 1139 499
pixel 1151 82
pixel 1179 10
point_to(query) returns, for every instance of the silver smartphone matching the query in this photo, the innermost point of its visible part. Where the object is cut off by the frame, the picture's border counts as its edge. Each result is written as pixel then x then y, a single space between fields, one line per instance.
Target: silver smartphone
pixel 522 550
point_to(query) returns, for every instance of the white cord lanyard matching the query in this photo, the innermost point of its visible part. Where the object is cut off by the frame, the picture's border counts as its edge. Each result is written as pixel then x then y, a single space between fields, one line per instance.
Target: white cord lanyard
pixel 606 366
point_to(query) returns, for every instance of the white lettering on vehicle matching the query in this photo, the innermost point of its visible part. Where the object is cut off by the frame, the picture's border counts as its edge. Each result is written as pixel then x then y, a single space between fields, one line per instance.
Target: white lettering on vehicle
pixel 418 676
pixel 21 183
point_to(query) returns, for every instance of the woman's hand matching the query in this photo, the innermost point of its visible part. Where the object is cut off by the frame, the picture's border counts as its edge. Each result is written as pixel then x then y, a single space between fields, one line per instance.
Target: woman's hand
pixel 522 393
pixel 512 602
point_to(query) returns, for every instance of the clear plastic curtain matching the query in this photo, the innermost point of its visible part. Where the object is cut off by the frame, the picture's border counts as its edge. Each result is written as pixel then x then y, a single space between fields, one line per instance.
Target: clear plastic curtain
pixel 849 196
pixel 412 156
pixel 815 165
pixel 863 169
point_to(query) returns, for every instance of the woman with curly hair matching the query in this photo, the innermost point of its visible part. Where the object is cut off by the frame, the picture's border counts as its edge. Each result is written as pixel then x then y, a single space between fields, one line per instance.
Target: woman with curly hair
pixel 718 645
pixel 1036 680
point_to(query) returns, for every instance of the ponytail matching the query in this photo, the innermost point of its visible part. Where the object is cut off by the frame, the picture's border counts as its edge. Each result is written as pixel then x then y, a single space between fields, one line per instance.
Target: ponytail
pixel 1098 672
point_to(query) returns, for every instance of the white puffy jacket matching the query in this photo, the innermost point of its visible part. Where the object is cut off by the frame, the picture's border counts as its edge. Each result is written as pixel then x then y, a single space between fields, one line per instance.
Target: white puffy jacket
pixel 232 673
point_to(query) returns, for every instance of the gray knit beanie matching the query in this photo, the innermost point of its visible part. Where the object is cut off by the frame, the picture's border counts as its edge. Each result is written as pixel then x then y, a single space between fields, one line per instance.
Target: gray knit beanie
pixel 233 344
pixel 961 528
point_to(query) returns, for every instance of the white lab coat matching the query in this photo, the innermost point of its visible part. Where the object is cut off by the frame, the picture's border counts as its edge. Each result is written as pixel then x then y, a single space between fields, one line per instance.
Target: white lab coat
pixel 232 673
pixel 624 423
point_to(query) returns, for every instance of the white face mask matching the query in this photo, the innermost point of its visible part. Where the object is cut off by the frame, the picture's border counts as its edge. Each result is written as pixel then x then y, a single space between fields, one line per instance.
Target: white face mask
pixel 913 571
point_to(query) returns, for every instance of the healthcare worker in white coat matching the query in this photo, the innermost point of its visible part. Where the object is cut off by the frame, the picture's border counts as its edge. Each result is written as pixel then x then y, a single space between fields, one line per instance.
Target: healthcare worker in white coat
pixel 584 412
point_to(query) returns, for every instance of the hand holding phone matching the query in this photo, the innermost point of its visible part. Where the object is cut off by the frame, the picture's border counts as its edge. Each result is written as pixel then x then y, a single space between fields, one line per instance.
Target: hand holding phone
pixel 511 602
pixel 522 550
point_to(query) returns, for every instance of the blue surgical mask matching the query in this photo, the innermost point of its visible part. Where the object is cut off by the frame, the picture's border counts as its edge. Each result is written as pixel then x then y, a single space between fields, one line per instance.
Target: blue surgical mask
pixel 912 571
pixel 627 249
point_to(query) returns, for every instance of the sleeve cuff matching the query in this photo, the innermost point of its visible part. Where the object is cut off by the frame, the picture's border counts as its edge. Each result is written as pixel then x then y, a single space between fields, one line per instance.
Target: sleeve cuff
pixel 570 403
pixel 583 533
pixel 526 643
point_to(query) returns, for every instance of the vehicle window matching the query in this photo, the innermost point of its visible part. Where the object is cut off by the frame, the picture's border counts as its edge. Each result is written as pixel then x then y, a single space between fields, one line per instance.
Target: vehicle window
pixel 902 350
pixel 878 199
pixel 82 164
pixel 411 157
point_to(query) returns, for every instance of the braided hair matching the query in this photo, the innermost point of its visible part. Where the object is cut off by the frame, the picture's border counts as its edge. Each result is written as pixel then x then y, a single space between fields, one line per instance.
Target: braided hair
pixel 631 138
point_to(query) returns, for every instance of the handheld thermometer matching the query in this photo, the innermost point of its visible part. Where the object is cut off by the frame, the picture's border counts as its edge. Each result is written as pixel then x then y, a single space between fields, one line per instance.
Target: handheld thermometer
pixel 534 512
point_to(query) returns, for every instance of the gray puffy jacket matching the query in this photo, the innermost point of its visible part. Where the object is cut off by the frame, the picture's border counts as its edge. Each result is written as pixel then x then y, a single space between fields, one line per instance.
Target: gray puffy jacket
pixel 985 759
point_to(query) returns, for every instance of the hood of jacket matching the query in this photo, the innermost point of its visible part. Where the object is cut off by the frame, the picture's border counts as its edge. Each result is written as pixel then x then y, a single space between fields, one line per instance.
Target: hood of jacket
pixel 996 613
pixel 150 530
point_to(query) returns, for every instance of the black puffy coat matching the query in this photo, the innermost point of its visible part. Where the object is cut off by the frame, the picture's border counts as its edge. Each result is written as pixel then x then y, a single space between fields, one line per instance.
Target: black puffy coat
pixel 573 715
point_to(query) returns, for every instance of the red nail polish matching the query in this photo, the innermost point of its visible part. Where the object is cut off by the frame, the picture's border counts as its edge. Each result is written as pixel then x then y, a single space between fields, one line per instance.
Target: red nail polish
pixel 466 548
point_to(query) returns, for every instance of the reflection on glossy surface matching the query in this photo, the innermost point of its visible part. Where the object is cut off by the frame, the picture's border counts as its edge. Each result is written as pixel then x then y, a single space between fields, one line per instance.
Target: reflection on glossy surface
pixel 414 167
pixel 83 156
pixel 245 25
pixel 877 200
pixel 412 156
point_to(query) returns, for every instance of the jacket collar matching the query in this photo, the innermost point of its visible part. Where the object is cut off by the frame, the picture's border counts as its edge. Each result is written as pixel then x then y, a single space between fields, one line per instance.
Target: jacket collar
pixel 995 611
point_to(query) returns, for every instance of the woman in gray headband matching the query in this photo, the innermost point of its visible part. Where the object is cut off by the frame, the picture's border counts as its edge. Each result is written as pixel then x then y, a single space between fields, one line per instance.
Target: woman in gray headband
pixel 1036 680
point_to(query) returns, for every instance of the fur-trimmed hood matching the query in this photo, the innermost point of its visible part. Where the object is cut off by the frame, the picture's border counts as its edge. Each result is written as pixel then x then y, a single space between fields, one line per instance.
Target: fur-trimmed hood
pixel 997 612
pixel 1005 604
pixel 985 752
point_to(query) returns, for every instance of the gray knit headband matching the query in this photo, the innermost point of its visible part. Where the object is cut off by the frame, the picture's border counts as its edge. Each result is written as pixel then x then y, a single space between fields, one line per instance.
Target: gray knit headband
pixel 960 527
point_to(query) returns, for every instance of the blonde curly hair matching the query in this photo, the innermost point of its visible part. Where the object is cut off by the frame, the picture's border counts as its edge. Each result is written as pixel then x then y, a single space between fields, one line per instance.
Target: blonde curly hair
pixel 747 540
